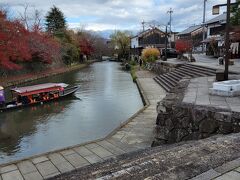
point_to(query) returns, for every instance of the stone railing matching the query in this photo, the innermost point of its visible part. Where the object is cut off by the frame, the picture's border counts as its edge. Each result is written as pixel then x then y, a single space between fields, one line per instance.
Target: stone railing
pixel 159 67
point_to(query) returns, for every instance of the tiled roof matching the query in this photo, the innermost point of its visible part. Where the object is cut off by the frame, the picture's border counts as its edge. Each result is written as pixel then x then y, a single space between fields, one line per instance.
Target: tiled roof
pixel 190 29
pixel 220 18
pixel 147 31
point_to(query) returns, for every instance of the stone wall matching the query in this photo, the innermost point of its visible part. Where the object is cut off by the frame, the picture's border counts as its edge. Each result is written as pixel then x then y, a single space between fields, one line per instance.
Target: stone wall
pixel 178 121
pixel 161 67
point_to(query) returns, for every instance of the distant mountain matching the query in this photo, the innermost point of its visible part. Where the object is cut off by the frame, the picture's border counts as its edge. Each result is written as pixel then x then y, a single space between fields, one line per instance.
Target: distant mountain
pixel 106 33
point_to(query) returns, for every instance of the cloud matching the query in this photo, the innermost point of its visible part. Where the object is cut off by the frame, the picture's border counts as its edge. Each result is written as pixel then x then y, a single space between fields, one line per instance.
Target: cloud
pixel 122 14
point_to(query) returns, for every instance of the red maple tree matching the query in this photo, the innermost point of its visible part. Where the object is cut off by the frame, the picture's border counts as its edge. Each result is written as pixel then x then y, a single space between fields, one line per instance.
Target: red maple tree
pixel 17 44
pixel 183 45
pixel 86 46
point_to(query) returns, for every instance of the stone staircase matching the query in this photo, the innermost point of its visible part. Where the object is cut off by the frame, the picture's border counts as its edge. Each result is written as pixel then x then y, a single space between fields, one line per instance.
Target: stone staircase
pixel 169 80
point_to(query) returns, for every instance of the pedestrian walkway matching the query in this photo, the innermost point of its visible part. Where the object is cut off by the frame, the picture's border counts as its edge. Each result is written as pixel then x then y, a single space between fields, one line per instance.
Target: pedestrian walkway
pixel 136 134
pixel 227 171
pixel 208 61
pixel 197 94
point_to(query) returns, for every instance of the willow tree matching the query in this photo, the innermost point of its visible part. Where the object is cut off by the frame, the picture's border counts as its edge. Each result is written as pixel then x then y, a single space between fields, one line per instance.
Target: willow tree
pixel 121 42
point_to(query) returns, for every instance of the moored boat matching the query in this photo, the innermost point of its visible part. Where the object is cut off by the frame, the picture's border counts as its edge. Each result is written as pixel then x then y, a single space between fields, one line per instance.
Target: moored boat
pixel 36 94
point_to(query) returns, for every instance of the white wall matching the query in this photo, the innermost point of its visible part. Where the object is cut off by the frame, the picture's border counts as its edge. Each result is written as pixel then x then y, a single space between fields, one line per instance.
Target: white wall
pixel 134 42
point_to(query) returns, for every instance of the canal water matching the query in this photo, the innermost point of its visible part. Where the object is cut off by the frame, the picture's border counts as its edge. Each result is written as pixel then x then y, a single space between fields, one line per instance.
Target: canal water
pixel 107 97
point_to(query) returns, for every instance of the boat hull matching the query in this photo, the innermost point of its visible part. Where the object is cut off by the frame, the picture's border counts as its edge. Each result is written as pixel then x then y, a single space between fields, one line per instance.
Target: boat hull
pixel 67 92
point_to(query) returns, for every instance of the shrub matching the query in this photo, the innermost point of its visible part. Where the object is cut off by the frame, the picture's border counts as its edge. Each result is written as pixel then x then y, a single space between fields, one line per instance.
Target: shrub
pixel 150 54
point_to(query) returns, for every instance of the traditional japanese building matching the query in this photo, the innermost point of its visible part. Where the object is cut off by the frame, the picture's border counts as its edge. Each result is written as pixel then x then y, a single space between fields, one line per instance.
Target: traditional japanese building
pixel 215 37
pixel 150 38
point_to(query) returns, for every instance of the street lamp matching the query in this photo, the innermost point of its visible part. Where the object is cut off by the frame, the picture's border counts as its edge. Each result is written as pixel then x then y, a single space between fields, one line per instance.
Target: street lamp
pixel 215 10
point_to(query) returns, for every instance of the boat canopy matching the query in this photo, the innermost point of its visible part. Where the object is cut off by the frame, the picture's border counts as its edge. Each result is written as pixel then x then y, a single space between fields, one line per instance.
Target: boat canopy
pixel 40 88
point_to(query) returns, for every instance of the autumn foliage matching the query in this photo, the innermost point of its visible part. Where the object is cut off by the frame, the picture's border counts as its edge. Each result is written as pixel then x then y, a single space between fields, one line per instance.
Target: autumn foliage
pixel 150 54
pixel 183 45
pixel 17 44
pixel 85 46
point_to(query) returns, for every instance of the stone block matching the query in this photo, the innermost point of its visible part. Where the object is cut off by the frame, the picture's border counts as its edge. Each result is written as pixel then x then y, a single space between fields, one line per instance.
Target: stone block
pixel 232 175
pixel 223 116
pixel 46 168
pixel 76 160
pixel 51 175
pixel 12 175
pixel 8 168
pixel 26 167
pixel 56 158
pixel 91 145
pixel 210 174
pixel 208 126
pixel 61 163
pixel 67 152
pixel 110 147
pixel 83 151
pixel 228 166
pixel 39 159
pixel 101 152
pixel 64 167
pixel 33 176
pixel 93 158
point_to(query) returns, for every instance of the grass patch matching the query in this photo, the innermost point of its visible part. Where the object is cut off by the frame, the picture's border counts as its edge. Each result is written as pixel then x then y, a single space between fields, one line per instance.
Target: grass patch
pixel 133 72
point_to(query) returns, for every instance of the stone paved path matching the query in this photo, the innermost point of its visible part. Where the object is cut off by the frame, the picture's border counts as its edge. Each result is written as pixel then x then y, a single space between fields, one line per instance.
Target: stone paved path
pixel 197 93
pixel 136 134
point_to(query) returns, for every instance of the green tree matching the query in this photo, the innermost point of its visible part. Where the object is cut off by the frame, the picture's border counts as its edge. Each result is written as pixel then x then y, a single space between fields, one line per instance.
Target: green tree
pixel 235 19
pixel 121 42
pixel 55 22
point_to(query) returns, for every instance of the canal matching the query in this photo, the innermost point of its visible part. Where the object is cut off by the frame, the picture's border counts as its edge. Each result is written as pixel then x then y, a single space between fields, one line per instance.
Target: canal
pixel 107 97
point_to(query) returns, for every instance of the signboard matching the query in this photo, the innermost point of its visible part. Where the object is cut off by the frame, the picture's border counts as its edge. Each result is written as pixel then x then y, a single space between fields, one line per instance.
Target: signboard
pixel 215 10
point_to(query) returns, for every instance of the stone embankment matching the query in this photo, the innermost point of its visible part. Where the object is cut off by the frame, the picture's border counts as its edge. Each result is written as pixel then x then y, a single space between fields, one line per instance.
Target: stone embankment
pixel 20 79
pixel 190 113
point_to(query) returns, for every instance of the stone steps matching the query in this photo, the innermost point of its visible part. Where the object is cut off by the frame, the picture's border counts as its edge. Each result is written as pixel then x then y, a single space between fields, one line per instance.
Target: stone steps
pixel 206 69
pixel 199 71
pixel 170 80
pixel 193 72
pixel 186 73
pixel 163 84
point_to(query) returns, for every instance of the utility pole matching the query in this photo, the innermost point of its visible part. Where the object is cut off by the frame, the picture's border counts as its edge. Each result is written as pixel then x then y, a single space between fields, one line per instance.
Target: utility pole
pixel 170 24
pixel 203 26
pixel 227 30
pixel 166 37
pixel 227 42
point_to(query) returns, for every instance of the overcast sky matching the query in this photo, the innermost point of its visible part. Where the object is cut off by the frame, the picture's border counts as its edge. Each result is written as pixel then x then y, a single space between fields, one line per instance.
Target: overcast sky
pixel 122 14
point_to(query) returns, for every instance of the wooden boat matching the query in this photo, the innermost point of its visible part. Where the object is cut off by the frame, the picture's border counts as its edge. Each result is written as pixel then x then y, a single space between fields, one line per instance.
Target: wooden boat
pixel 36 94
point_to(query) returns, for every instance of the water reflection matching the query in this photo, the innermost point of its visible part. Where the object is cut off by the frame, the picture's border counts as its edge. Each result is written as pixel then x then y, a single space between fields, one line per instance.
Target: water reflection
pixel 16 124
pixel 106 98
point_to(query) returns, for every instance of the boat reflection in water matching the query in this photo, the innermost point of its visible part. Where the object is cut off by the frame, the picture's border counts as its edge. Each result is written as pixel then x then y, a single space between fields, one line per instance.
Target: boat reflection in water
pixel 13 126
